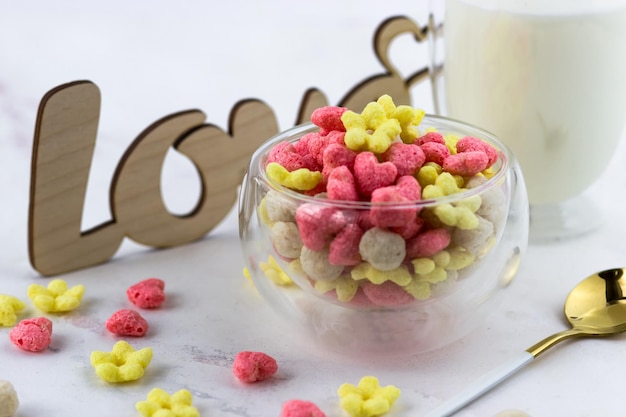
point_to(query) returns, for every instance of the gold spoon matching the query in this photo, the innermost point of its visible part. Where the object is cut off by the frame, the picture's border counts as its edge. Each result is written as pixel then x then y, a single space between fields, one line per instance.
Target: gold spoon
pixel 595 307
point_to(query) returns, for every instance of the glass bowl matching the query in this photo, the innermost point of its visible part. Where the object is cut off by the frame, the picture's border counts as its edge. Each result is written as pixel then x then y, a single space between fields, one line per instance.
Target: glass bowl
pixel 397 296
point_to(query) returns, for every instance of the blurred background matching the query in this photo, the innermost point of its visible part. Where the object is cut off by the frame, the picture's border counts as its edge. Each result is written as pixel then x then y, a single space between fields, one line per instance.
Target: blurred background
pixel 151 59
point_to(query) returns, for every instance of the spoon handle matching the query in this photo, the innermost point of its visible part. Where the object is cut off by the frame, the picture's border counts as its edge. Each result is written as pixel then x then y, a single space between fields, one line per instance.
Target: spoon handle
pixel 481 386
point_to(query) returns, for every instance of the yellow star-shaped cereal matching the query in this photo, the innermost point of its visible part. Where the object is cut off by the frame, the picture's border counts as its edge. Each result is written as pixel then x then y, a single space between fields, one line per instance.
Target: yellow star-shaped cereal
pixel 419 289
pixel 445 184
pixel 460 214
pixel 368 398
pixel 408 117
pixel 365 270
pixel 344 286
pixel 274 272
pixel 301 179
pixel 56 297
pixel 456 215
pixel 371 130
pixel 428 174
pixel 9 307
pixel 451 141
pixel 122 364
pixel 161 404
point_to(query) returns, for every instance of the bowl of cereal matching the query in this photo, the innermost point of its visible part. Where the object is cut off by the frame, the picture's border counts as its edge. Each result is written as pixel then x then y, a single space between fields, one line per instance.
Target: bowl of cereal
pixel 387 230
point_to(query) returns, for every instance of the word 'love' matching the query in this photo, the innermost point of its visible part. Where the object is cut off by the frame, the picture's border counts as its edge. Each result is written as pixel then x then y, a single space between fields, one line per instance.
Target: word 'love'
pixel 64 142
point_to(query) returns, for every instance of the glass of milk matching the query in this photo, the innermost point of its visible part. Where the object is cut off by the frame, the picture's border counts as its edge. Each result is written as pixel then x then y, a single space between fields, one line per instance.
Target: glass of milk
pixel 548 77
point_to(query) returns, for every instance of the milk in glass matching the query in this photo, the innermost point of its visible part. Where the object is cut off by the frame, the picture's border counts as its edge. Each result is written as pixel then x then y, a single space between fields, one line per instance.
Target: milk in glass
pixel 548 77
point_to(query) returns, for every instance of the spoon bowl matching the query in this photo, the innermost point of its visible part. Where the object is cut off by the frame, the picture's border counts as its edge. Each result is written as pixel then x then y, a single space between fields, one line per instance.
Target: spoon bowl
pixel 595 307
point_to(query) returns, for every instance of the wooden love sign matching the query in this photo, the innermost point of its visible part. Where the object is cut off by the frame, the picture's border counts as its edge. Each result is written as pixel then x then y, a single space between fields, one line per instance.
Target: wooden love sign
pixel 64 142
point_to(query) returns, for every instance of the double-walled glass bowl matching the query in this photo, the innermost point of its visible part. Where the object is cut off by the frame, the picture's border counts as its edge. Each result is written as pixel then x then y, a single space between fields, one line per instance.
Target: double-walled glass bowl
pixel 393 298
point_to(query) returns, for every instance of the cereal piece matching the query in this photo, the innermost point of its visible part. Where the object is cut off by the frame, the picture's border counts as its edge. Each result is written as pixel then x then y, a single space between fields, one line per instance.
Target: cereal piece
pixel 286 239
pixel 33 335
pixel 122 364
pixel 435 152
pixel 278 208
pixel 9 307
pixel 428 174
pixel 445 184
pixel 274 272
pixel 387 294
pixel 313 145
pixel 475 240
pixel 418 289
pixel 341 185
pixel 344 249
pixel 407 189
pixel 458 215
pixel 161 404
pixel 317 266
pixel 56 297
pixel 383 249
pixel 431 136
pixel 399 275
pixel 127 323
pixel 371 174
pixel 318 224
pixel 328 118
pixel 427 243
pixel 368 398
pixel 493 207
pixel 436 275
pixel 286 155
pixel 336 155
pixel 459 259
pixel 8 399
pixel 385 215
pixel 149 293
pixel 345 287
pixel 408 117
pixel 302 179
pixel 408 159
pixel 254 366
pixel 300 408
pixel 410 229
pixel 471 144
pixel 466 164
pixel 371 130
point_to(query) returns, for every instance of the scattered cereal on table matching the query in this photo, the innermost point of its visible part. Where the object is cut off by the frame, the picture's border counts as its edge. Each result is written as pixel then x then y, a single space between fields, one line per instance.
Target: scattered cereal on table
pixel 161 404
pixel 9 307
pixel 127 323
pixel 122 364
pixel 149 293
pixel 8 399
pixel 254 366
pixel 56 297
pixel 301 408
pixel 33 335
pixel 368 398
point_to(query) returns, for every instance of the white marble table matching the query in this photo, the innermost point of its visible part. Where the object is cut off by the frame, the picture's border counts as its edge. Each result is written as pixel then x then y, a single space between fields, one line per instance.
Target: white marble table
pixel 152 61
